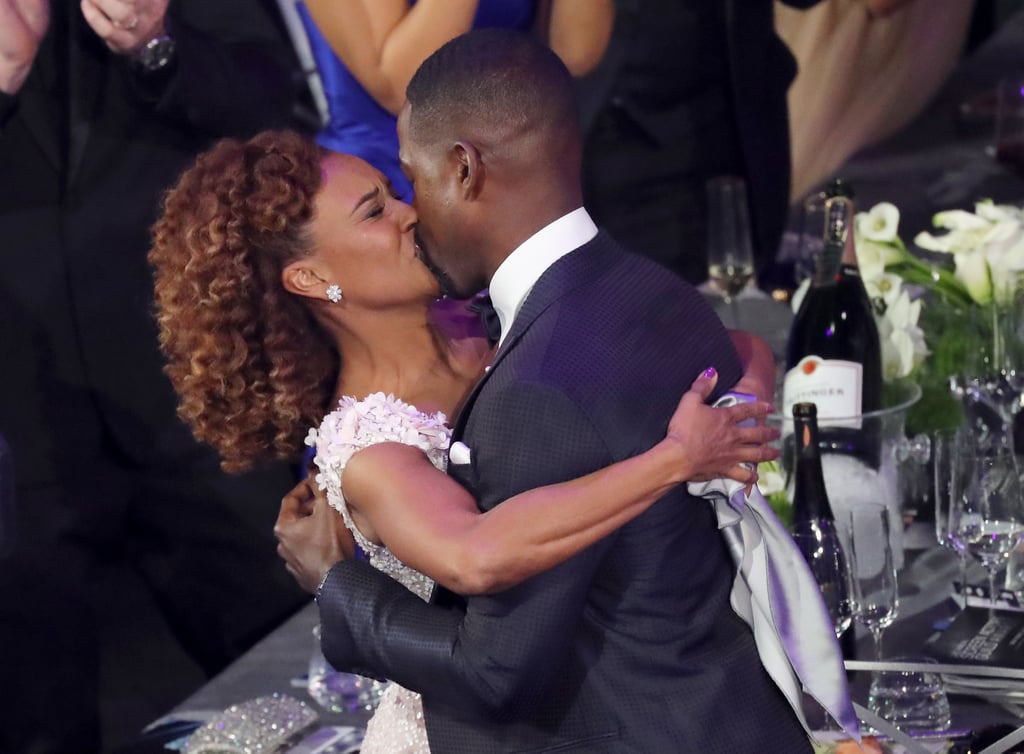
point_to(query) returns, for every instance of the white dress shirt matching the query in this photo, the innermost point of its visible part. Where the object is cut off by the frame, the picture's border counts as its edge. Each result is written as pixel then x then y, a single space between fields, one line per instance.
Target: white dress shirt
pixel 516 276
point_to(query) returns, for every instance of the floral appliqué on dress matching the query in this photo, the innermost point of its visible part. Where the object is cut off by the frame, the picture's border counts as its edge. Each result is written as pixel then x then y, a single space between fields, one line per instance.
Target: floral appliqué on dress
pixel 397 727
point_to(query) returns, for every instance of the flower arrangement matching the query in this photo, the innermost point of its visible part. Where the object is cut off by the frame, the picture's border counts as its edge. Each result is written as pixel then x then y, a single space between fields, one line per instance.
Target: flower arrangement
pixel 930 313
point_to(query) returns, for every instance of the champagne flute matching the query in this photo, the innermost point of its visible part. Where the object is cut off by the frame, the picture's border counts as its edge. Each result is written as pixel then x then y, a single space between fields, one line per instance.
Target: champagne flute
pixel 730 257
pixel 946 449
pixel 824 553
pixel 988 516
pixel 875 600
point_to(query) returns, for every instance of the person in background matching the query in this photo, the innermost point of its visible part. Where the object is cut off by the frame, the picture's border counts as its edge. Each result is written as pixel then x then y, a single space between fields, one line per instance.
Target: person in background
pixel 688 90
pixel 102 103
pixel 367 50
pixel 866 68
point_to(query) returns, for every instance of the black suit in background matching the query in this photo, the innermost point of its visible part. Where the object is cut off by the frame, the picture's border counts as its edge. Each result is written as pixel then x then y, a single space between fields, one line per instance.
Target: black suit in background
pixel 631 646
pixel 688 89
pixel 104 469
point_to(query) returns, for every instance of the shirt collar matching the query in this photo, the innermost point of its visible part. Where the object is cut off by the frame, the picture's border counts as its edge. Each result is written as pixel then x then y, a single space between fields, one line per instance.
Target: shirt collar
pixel 516 276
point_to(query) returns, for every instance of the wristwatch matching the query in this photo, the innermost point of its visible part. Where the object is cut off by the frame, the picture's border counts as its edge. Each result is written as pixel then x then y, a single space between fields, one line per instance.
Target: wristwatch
pixel 156 54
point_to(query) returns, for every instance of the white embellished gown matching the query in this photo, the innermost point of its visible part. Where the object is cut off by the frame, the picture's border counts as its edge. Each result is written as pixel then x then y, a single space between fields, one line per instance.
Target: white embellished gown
pixel 397 727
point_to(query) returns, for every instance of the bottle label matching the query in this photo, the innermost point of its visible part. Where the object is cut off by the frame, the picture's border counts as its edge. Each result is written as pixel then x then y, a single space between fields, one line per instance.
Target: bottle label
pixel 835 386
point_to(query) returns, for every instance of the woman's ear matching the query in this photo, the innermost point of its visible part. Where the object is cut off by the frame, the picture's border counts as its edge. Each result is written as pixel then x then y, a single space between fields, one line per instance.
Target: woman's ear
pixel 303 280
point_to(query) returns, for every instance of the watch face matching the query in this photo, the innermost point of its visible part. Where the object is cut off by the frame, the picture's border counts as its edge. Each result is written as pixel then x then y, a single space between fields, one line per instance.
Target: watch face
pixel 157 53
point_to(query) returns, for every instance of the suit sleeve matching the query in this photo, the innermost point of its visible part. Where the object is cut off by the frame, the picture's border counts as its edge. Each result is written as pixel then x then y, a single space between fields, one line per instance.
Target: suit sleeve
pixel 234 70
pixel 498 655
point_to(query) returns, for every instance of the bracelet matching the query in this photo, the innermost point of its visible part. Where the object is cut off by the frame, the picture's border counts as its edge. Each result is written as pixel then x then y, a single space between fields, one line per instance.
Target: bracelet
pixel 320 587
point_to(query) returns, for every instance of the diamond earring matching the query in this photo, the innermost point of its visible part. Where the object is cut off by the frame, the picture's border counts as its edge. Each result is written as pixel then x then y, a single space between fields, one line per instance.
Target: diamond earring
pixel 333 293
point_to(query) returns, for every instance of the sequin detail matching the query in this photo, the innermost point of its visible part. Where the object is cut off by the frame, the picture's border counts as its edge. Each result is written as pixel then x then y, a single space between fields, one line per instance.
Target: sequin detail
pixel 259 726
pixel 397 727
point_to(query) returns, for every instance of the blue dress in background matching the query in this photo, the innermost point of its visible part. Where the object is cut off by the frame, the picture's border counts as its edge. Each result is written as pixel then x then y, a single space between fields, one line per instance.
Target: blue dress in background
pixel 357 124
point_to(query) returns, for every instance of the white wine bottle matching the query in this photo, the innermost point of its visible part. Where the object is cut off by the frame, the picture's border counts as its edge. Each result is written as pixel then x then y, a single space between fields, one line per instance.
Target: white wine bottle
pixel 833 357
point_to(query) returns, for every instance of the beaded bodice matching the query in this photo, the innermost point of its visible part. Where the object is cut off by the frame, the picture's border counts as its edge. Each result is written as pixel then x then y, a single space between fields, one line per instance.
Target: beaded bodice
pixel 356 424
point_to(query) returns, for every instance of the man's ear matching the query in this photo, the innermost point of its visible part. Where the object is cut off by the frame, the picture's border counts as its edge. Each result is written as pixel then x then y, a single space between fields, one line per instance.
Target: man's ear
pixel 302 279
pixel 469 167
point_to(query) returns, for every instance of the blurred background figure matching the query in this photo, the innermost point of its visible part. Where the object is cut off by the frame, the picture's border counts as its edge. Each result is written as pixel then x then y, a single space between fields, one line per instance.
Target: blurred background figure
pixel 866 68
pixel 102 103
pixel 367 50
pixel 688 90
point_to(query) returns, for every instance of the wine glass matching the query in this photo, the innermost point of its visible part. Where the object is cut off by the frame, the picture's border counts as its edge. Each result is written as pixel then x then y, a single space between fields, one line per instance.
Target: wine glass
pixel 824 553
pixel 730 257
pixel 1009 136
pixel 992 380
pixel 988 517
pixel 946 449
pixel 875 600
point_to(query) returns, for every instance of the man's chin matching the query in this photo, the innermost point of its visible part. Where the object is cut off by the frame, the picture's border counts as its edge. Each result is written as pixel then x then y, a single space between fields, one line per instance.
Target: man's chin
pixel 444 281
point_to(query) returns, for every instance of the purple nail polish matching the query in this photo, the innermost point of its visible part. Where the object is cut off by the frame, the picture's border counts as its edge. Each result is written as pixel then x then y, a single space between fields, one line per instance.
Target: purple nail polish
pixel 709 373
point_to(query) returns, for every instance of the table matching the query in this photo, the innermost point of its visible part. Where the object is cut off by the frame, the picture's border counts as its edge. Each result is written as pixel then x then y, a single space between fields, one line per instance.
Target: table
pixel 273 663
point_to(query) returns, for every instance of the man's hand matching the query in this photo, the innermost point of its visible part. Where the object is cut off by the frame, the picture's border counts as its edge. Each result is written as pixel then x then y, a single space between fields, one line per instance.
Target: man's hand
pixel 711 441
pixel 311 535
pixel 23 24
pixel 125 25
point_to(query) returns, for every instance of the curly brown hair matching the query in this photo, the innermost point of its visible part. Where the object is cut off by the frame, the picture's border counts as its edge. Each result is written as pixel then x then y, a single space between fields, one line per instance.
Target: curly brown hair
pixel 253 370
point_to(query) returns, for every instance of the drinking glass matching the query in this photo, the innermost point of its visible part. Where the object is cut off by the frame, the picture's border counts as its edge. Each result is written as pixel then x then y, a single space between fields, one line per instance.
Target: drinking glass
pixel 824 553
pixel 730 256
pixel 988 516
pixel 947 447
pixel 992 383
pixel 1009 136
pixel 912 700
pixel 337 691
pixel 812 234
pixel 875 601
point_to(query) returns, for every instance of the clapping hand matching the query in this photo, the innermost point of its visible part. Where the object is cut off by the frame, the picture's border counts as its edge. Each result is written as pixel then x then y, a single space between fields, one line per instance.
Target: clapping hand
pixel 125 25
pixel 721 442
pixel 311 535
pixel 23 24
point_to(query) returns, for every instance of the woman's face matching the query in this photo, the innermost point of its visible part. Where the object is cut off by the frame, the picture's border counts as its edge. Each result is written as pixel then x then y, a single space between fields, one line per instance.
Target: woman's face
pixel 363 236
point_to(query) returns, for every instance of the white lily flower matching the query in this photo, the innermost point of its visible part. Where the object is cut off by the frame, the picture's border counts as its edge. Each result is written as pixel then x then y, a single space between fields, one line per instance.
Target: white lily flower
pixel 886 286
pixel 872 258
pixel 958 219
pixel 989 210
pixel 880 223
pixel 973 271
pixel 903 343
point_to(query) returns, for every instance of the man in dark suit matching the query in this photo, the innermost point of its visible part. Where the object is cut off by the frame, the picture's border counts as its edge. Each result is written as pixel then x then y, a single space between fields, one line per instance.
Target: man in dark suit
pixel 687 90
pixel 631 645
pixel 102 103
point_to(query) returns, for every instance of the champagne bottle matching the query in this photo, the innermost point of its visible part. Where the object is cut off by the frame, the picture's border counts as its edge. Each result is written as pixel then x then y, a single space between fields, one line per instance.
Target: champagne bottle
pixel 814 526
pixel 833 357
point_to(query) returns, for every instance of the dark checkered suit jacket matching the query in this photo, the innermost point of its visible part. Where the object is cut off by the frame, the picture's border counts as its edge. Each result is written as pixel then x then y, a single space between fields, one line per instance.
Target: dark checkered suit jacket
pixel 631 645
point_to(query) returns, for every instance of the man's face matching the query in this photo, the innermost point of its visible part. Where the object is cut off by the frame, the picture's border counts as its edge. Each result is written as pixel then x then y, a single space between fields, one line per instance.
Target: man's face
pixel 442 228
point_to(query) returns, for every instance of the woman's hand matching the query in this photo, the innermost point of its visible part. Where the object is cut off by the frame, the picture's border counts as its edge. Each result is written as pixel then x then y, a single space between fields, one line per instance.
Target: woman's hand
pixel 720 442
pixel 311 535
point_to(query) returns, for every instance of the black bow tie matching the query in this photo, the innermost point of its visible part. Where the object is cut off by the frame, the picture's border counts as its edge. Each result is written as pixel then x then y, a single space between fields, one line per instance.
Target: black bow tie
pixel 488 318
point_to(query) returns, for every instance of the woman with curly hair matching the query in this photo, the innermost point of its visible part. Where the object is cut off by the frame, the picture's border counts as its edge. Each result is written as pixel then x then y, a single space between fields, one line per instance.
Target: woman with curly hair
pixel 288 282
